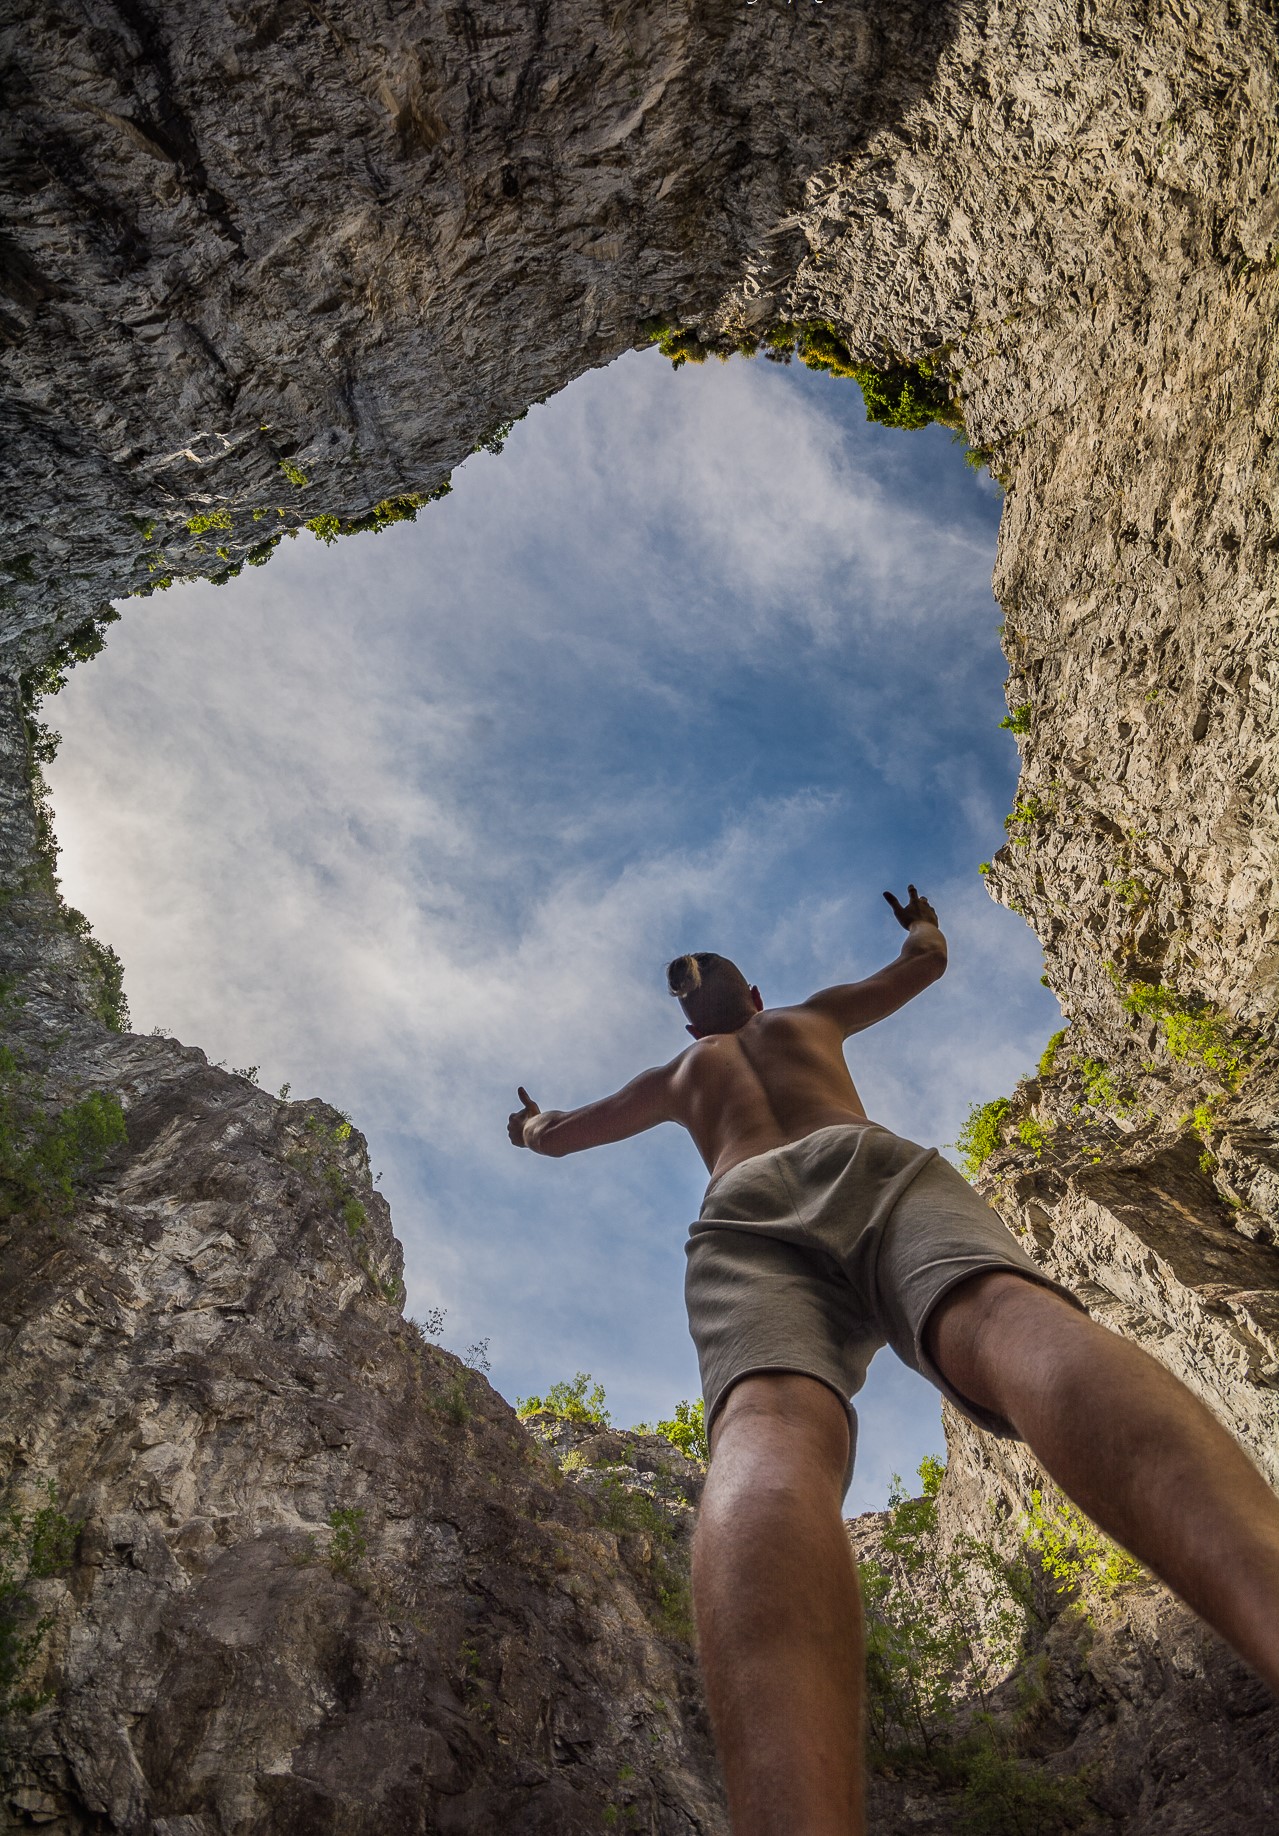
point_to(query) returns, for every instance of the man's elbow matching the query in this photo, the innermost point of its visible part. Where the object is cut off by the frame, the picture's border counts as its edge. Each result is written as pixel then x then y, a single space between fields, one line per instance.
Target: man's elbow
pixel 933 964
pixel 548 1145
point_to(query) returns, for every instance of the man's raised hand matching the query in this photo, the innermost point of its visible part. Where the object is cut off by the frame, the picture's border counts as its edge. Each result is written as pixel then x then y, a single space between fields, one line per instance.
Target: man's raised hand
pixel 518 1117
pixel 917 910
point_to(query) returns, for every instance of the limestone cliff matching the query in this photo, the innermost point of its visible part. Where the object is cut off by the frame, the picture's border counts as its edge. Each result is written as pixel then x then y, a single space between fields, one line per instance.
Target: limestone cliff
pixel 267 265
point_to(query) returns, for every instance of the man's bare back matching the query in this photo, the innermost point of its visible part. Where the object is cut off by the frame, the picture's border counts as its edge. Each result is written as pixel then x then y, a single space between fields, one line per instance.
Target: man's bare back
pixel 762 1079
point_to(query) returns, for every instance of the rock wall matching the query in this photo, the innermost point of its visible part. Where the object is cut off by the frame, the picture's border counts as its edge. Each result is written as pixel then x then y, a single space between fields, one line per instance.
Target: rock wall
pixel 275 265
pixel 1127 1697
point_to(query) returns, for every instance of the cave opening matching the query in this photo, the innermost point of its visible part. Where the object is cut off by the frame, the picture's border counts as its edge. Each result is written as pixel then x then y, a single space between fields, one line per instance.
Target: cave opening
pixel 700 660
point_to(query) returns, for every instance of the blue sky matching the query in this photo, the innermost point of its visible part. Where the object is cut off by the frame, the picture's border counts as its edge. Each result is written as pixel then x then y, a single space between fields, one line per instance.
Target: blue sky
pixel 701 661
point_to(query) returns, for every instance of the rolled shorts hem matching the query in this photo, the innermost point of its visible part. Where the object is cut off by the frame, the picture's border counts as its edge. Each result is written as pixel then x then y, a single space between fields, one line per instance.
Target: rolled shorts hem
pixel 790 1368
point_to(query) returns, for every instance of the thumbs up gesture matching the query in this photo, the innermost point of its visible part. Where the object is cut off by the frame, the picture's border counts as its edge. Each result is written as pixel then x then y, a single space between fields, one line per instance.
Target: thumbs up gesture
pixel 518 1117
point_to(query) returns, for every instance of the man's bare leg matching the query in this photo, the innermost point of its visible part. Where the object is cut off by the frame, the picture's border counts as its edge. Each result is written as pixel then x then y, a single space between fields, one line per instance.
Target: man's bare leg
pixel 1129 1444
pixel 778 1611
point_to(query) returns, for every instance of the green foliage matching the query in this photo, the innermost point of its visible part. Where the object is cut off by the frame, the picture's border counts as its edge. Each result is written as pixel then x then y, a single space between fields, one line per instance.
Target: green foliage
pixel 1129 892
pixel 1033 1134
pixel 1019 720
pixel 1026 814
pixel 294 474
pixel 34 1545
pixel 1048 1059
pixel 985 867
pixel 1100 1089
pixel 110 1004
pixel 574 1402
pixel 401 509
pixel 349 1544
pixel 209 519
pixel 1074 1552
pixel 674 342
pixel 1194 1032
pixel 922 1659
pixel 47 1159
pixel 688 1430
pixel 919 1658
pixel 1200 1121
pixel 981 1134
pixel 48 677
pixel 1007 1796
pixel 907 395
pixel 325 528
pixel 496 438
pixel 319 1162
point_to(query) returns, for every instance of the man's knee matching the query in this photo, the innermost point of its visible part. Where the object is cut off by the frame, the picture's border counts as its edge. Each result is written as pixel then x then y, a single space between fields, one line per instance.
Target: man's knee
pixel 778 1422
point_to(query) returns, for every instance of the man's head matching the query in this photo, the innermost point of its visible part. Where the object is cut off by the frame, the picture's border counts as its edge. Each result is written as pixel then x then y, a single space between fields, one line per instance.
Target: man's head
pixel 715 995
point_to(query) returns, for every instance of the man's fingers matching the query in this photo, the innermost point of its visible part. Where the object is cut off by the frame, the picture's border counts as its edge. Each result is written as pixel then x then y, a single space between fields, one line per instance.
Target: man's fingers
pixel 913 894
pixel 523 1095
pixel 893 902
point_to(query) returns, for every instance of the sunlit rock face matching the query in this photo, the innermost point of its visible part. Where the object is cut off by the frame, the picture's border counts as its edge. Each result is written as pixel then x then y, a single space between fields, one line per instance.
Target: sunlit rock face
pixel 265 266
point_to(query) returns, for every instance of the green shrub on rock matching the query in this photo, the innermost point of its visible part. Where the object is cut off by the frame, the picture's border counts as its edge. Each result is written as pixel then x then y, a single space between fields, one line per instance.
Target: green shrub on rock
pixel 897 394
pixel 34 1545
pixel 1194 1032
pixel 981 1134
pixel 46 1159
pixel 688 1430
pixel 574 1402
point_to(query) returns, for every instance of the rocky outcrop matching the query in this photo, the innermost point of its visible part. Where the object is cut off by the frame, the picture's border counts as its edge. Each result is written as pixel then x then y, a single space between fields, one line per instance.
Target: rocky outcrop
pixel 323 1580
pixel 1127 1699
pixel 275 266
pixel 300 263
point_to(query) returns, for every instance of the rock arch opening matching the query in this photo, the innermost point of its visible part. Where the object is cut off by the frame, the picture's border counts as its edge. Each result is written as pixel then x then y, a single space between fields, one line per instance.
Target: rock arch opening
pixel 247 249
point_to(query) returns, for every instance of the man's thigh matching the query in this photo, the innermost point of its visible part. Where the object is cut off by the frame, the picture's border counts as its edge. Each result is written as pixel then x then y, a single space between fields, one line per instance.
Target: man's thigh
pixel 941 1240
pixel 987 1333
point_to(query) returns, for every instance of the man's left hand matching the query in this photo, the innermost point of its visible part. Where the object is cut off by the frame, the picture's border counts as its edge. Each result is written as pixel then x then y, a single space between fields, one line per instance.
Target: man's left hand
pixel 917 910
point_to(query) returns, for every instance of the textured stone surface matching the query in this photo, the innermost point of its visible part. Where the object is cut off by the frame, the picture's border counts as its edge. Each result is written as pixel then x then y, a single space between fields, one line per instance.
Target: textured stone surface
pixel 354 241
pixel 256 232
pixel 1168 1732
pixel 210 1365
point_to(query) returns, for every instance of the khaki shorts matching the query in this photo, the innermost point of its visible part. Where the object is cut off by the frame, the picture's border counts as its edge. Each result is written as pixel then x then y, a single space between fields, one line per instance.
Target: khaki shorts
pixel 812 1256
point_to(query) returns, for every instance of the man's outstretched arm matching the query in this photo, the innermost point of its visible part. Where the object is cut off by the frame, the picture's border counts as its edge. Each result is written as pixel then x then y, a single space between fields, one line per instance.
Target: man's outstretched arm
pixel 856 1005
pixel 643 1103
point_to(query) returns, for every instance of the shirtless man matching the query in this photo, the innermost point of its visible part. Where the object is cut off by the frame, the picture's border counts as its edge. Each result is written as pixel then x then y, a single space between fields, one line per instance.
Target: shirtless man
pixel 822 1237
